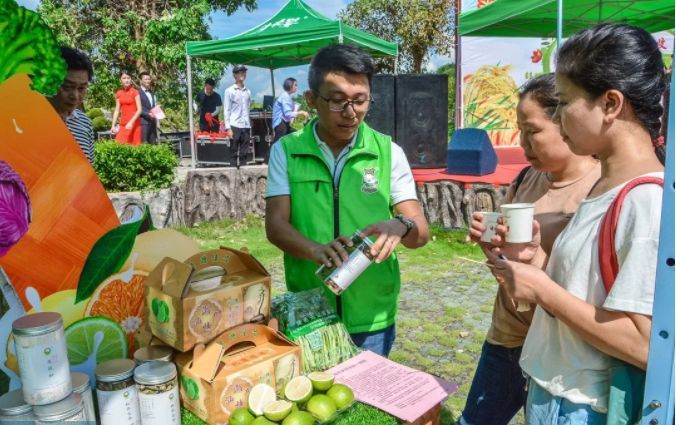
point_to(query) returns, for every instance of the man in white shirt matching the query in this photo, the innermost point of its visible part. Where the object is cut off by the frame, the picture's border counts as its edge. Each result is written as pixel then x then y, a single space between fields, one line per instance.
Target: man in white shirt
pixel 236 102
pixel 148 102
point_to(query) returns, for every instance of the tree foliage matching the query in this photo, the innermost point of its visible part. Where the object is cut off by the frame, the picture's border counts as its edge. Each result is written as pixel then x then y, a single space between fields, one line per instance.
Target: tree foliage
pixel 136 36
pixel 449 69
pixel 420 27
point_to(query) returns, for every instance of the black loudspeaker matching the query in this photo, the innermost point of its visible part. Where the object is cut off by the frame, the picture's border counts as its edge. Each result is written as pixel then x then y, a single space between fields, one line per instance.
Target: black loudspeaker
pixel 268 101
pixel 421 119
pixel 381 114
pixel 261 131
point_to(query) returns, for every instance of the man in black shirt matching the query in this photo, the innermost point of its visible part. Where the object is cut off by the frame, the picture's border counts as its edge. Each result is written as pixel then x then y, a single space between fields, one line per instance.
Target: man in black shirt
pixel 209 104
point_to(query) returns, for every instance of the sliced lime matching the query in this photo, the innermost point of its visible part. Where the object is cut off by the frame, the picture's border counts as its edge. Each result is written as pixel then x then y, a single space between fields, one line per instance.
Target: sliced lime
pixel 298 390
pixel 260 396
pixel 321 381
pixel 83 343
pixel 277 410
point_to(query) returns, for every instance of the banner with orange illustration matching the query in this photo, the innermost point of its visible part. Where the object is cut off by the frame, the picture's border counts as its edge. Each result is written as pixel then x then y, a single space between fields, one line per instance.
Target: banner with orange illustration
pixel 492 70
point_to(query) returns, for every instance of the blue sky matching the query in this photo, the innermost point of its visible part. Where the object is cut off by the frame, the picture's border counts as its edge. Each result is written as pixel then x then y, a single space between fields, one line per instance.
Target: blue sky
pixel 258 80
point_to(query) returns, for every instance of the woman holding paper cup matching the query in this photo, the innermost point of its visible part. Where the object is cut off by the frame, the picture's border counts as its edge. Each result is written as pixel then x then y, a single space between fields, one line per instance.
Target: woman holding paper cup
pixel 550 190
pixel 609 79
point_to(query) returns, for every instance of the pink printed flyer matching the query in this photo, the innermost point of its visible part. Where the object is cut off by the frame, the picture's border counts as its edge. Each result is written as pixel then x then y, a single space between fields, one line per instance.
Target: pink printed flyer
pixel 399 390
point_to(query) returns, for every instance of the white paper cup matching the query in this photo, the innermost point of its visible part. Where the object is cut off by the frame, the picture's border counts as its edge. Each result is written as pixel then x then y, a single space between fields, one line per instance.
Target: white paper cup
pixel 490 221
pixel 519 221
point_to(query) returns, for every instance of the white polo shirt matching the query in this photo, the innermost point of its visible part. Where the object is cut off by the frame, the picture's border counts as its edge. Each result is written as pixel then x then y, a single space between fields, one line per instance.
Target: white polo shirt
pixel 402 186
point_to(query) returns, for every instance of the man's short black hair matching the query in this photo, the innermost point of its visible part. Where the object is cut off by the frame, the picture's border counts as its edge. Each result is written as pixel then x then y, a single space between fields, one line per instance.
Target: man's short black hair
pixel 143 74
pixel 288 83
pixel 347 58
pixel 77 61
pixel 210 81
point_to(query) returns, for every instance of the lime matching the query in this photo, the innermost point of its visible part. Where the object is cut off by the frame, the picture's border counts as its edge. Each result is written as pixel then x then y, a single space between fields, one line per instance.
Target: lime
pixel 83 343
pixel 321 381
pixel 298 390
pixel 241 416
pixel 322 407
pixel 277 410
pixel 260 396
pixel 342 395
pixel 299 418
pixel 262 420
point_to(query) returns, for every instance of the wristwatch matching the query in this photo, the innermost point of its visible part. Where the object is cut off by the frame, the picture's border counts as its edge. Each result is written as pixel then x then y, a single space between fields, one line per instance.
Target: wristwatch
pixel 410 224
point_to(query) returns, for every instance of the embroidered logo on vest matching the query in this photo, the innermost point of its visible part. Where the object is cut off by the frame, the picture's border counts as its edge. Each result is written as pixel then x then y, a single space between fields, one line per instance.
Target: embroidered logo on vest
pixel 370 181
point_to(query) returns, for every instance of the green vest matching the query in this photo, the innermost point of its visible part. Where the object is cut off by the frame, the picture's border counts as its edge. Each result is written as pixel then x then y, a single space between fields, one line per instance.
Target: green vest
pixel 321 214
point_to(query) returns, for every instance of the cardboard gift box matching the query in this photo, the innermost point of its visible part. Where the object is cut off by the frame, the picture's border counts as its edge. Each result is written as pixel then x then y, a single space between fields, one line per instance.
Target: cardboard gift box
pixel 193 301
pixel 217 379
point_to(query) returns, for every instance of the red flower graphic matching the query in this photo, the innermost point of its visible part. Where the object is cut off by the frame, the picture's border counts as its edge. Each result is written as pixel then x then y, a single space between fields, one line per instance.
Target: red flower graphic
pixel 662 43
pixel 536 56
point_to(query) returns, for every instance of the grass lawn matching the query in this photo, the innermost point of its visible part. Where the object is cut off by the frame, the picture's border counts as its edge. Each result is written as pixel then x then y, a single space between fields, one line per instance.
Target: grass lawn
pixel 444 309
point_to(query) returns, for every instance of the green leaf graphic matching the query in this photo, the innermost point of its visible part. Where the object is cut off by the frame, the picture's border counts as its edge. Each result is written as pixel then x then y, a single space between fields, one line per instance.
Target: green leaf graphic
pixel 107 256
pixel 155 306
pixel 163 313
pixel 191 388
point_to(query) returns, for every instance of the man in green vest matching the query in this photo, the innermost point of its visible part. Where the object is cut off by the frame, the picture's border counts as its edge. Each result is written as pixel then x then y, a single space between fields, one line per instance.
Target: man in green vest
pixel 334 177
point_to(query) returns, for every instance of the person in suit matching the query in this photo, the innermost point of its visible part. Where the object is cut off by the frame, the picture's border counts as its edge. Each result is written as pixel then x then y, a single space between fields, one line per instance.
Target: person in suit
pixel 148 102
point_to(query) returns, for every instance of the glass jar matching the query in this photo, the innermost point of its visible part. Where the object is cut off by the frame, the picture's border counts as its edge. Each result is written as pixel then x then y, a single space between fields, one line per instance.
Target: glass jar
pixel 43 357
pixel 338 279
pixel 13 408
pixel 70 409
pixel 81 386
pixel 116 393
pixel 153 352
pixel 158 393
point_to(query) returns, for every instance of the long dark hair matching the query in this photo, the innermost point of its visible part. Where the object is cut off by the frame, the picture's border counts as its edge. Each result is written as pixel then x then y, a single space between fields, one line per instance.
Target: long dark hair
pixel 620 57
pixel 542 89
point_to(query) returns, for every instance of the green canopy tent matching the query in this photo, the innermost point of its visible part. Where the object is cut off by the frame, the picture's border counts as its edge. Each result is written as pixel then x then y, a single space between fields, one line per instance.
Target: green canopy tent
pixel 538 18
pixel 291 37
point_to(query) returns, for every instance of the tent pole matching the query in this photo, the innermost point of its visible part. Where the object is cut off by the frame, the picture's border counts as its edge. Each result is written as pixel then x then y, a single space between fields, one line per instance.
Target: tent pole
pixel 190 117
pixel 272 78
pixel 559 23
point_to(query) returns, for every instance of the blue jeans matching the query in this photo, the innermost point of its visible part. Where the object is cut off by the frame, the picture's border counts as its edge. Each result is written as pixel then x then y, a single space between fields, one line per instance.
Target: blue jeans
pixel 542 408
pixel 498 388
pixel 380 342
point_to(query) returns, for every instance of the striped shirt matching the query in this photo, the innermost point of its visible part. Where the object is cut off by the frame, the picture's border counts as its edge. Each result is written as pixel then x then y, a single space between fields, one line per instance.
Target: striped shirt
pixel 82 130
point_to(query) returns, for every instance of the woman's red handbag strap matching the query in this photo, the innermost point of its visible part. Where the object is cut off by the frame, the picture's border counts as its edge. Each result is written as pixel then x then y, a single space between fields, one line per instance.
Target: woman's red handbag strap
pixel 607 254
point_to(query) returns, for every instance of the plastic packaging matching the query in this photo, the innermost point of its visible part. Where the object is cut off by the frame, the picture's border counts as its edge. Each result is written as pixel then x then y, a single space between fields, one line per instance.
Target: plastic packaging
pixel 116 393
pixel 158 393
pixel 43 357
pixel 307 319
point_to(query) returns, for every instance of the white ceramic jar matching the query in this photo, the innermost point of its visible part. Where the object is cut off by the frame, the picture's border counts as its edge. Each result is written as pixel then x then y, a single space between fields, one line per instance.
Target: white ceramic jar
pixel 43 358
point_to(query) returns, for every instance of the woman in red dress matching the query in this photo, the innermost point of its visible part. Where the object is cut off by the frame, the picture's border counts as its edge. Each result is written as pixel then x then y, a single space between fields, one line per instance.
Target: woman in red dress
pixel 128 107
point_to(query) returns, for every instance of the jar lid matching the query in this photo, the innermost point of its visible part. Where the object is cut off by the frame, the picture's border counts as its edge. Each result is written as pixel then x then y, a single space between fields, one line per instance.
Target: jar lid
pixel 155 372
pixel 153 352
pixel 114 370
pixel 12 404
pixel 80 382
pixel 37 323
pixel 60 410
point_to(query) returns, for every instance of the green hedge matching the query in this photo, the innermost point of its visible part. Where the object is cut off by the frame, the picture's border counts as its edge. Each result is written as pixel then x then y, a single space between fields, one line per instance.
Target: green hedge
pixel 100 123
pixel 125 168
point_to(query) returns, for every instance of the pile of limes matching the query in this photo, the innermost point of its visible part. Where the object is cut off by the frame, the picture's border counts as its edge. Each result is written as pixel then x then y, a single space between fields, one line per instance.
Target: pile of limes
pixel 308 400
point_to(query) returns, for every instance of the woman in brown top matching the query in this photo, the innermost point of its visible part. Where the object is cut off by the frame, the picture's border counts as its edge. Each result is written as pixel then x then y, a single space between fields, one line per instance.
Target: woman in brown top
pixel 557 181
